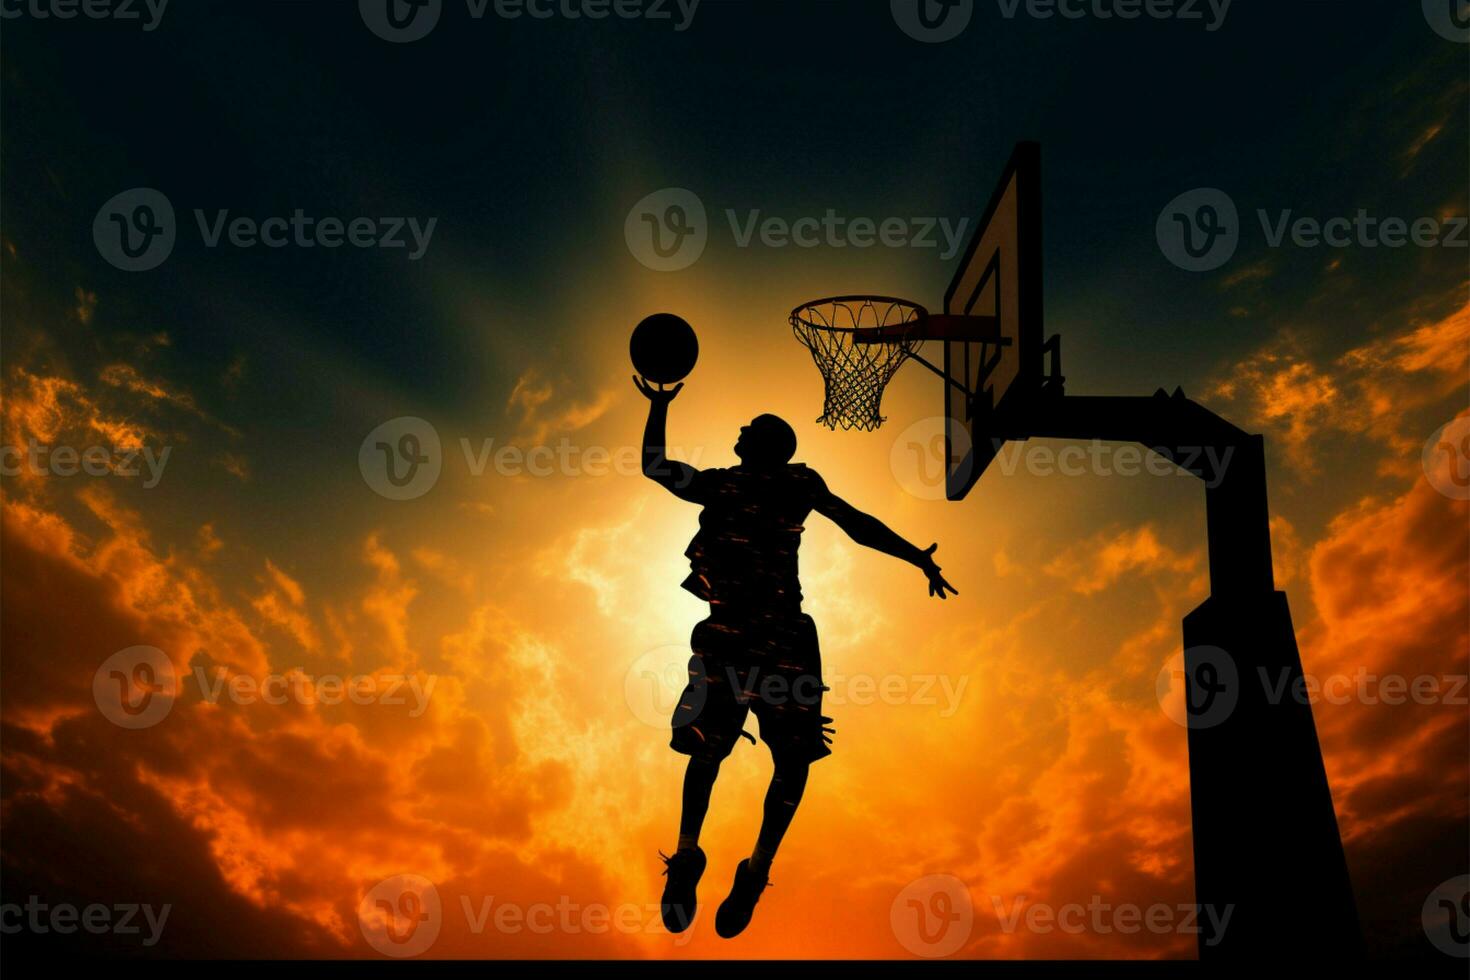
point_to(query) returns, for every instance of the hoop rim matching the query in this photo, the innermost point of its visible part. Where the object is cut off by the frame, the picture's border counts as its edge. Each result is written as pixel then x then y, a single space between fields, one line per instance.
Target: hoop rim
pixel 796 314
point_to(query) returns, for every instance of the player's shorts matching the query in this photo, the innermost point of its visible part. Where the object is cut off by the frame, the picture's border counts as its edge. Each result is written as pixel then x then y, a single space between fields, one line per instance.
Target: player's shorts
pixel 769 665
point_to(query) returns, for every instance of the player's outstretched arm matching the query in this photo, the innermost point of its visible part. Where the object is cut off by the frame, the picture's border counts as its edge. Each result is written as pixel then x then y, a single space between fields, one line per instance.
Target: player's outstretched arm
pixel 870 532
pixel 676 477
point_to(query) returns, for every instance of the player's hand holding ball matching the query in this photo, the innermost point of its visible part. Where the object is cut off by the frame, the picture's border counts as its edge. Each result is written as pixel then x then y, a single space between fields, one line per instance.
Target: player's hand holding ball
pixel 659 396
pixel 664 349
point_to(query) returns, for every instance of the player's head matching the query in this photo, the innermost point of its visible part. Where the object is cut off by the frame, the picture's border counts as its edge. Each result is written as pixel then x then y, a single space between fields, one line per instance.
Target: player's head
pixel 766 441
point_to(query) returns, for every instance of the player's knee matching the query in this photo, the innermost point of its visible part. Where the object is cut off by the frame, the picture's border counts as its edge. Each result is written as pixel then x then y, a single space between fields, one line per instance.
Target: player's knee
pixel 701 751
pixel 790 764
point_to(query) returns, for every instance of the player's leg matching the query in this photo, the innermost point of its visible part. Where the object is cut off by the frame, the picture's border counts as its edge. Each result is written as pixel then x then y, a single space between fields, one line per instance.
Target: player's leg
pixel 783 796
pixel 706 724
pixel 699 783
pixel 792 725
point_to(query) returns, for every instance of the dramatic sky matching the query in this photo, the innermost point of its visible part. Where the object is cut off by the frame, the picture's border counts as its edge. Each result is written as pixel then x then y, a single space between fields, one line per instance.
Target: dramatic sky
pixel 1013 738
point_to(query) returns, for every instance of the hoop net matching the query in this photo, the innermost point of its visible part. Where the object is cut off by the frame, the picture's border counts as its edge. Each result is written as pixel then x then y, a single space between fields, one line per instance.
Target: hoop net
pixel 854 375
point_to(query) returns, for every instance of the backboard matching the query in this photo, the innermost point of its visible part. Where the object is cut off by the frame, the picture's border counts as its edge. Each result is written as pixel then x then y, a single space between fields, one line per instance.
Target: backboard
pixel 999 276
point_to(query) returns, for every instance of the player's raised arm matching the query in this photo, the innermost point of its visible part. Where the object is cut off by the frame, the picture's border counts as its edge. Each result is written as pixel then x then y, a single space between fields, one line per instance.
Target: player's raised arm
pixel 675 476
pixel 870 532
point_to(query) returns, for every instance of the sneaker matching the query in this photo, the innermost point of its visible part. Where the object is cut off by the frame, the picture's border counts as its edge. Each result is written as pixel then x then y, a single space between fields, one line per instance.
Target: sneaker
pixel 683 870
pixel 735 911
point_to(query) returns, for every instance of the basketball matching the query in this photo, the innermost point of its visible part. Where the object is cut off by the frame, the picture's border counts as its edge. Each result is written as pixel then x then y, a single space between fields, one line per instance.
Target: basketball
pixel 663 348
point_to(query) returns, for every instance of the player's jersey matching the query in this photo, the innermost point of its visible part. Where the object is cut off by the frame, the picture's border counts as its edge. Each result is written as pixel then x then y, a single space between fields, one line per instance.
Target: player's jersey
pixel 744 556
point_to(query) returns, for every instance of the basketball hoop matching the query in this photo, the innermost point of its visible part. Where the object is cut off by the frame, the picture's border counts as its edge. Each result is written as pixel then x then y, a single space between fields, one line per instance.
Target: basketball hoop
pixel 859 342
pixel 855 369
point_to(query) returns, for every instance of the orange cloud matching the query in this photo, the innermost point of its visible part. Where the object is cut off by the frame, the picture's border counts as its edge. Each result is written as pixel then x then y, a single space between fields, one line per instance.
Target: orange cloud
pixel 1371 390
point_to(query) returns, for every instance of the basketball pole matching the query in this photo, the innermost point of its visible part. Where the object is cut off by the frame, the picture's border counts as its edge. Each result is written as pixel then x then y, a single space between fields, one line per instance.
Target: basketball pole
pixel 1266 841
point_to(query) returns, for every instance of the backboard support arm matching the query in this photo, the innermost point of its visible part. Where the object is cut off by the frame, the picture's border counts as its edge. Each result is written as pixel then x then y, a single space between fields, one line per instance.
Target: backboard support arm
pixel 1229 461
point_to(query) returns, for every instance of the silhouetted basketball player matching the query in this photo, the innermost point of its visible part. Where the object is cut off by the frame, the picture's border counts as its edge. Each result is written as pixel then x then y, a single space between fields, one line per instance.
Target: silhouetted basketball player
pixel 757 650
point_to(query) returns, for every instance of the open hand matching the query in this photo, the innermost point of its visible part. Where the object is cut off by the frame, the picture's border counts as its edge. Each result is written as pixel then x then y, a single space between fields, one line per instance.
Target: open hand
pixel 937 584
pixel 659 395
